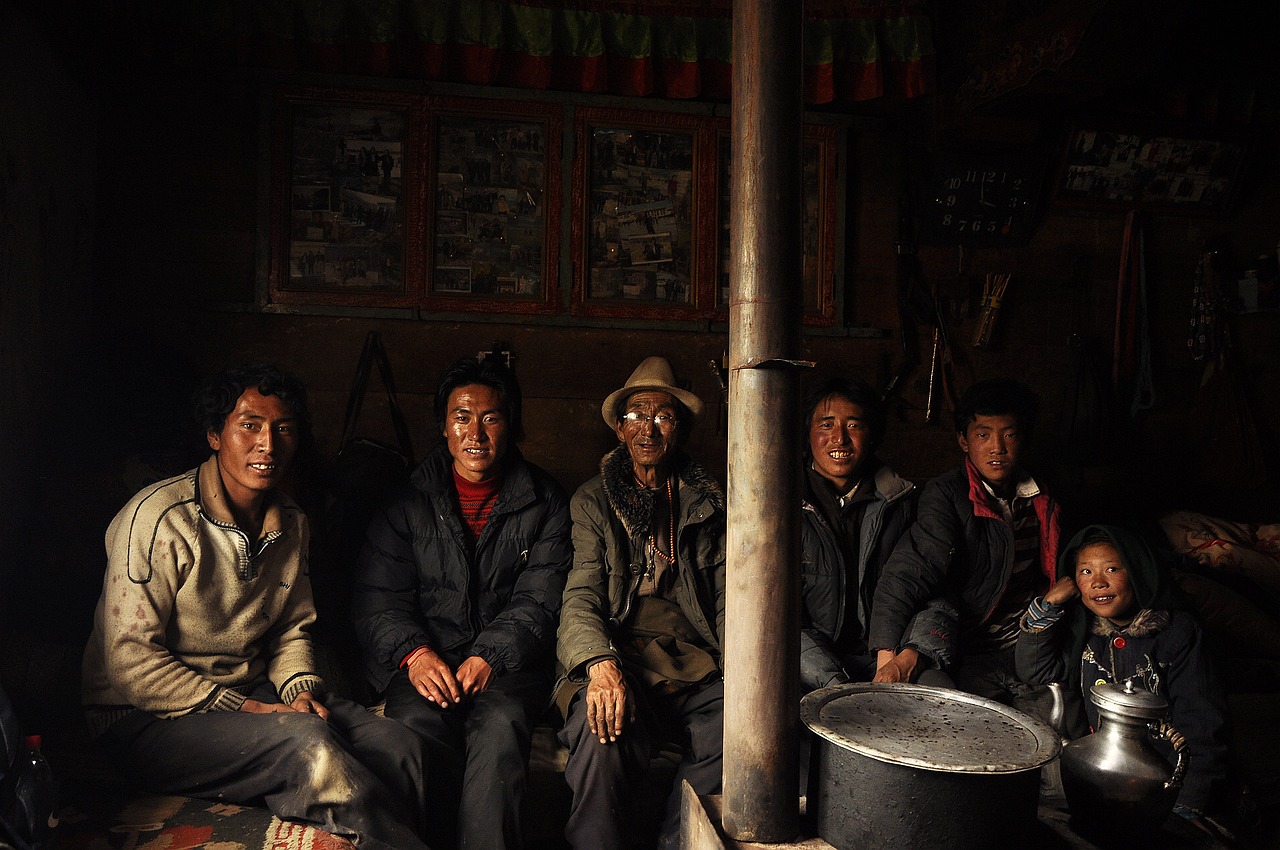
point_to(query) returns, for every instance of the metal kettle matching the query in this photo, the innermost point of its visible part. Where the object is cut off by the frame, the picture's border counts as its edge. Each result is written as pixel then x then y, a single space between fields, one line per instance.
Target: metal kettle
pixel 1115 779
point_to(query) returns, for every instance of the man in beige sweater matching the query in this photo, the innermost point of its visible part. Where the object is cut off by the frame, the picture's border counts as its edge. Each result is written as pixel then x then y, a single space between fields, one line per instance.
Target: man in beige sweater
pixel 199 678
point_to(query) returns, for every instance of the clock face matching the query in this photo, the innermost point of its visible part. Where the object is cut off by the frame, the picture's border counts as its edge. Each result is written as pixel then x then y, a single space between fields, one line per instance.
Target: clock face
pixel 980 201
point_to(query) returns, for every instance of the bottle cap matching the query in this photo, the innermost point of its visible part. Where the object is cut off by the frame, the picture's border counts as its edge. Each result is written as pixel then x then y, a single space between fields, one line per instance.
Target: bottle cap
pixel 32 741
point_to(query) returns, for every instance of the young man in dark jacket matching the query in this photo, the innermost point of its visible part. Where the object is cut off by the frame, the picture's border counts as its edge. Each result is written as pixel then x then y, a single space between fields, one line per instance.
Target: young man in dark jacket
pixel 985 538
pixel 456 598
pixel 854 510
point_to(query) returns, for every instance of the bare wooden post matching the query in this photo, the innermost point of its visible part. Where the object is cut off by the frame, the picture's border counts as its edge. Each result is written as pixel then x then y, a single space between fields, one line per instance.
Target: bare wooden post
pixel 761 788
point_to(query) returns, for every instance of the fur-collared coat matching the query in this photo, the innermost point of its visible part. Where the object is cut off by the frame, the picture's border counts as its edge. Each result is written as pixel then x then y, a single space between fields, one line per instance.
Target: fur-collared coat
pixel 611 517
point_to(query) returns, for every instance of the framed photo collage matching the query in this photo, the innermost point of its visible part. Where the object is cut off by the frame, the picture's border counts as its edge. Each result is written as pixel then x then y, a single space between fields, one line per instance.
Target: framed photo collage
pixel 454 204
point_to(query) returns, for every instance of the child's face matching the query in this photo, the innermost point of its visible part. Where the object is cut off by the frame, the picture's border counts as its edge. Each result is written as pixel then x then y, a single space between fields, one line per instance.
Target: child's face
pixel 1104 583
pixel 994 444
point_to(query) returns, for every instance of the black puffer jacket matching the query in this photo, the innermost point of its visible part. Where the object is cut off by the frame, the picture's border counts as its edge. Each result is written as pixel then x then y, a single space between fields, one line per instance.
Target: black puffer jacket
pixel 958 548
pixel 826 581
pixel 417 581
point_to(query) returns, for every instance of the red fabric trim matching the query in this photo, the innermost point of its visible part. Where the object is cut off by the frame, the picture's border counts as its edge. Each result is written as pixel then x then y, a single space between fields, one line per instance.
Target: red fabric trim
pixel 912 79
pixel 857 81
pixel 525 71
pixel 632 77
pixel 680 79
pixel 478 64
pixel 580 73
pixel 819 83
pixel 844 82
pixel 424 59
pixel 374 57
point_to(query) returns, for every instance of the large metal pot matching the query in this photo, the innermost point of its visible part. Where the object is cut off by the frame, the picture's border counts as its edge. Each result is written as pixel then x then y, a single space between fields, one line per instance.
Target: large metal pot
pixel 917 767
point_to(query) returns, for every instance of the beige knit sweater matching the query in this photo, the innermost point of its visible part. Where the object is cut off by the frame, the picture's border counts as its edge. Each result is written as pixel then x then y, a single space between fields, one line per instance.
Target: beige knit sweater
pixel 192 613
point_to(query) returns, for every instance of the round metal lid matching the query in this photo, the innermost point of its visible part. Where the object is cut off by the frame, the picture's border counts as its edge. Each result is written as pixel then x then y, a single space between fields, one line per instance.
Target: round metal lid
pixel 932 728
pixel 1128 700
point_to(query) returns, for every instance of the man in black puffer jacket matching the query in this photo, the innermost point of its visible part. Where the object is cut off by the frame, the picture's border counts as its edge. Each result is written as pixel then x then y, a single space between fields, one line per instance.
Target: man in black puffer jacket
pixel 456 600
pixel 855 509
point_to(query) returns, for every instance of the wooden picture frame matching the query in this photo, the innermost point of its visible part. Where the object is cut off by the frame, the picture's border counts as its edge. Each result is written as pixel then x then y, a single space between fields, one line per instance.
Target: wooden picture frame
pixel 641 187
pixel 819 209
pixel 494 211
pixel 1181 171
pixel 345 199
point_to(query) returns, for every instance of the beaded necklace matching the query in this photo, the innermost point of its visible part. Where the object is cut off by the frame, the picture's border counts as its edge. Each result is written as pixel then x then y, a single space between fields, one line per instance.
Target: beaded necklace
pixel 671 536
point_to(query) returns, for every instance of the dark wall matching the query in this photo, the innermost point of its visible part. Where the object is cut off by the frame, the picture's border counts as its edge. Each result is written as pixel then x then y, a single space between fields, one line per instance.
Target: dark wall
pixel 174 198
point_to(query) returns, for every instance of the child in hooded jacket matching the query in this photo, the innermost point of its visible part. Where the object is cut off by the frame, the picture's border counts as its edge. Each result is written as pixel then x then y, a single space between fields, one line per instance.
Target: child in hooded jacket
pixel 1130 622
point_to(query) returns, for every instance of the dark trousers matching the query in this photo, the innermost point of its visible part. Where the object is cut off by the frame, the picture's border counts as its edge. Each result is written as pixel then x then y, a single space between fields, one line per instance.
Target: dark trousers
pixel 994 675
pixel 478 756
pixel 605 778
pixel 357 775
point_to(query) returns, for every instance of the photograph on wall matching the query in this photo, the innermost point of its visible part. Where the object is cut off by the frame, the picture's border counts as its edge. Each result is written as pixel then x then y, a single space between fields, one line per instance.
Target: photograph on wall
pixel 490 211
pixel 1148 170
pixel 816 172
pixel 639 240
pixel 346 192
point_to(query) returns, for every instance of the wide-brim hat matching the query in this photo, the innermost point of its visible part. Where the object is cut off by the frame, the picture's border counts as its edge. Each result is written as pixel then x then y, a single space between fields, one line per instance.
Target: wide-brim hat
pixel 652 375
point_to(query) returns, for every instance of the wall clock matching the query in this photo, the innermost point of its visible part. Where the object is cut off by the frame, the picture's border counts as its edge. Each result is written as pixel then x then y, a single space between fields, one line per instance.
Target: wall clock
pixel 980 199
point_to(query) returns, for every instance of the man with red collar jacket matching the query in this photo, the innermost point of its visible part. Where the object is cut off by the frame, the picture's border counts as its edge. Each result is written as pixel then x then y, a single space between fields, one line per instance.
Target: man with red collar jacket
pixel 455 604
pixel 985 538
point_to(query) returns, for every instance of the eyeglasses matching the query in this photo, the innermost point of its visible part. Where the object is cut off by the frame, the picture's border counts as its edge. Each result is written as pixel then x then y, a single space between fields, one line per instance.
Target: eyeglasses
pixel 635 417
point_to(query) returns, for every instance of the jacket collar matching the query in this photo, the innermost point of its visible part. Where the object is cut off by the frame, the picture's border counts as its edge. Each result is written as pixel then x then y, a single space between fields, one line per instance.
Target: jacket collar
pixel 211 496
pixel 434 476
pixel 888 485
pixel 634 505
pixel 1148 622
pixel 981 497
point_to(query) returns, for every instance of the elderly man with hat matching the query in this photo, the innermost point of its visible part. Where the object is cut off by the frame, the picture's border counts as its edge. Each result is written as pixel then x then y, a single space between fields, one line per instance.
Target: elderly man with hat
pixel 643 616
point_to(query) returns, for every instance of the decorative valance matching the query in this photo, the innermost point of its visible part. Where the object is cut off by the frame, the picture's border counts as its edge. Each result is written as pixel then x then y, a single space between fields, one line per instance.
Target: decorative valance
pixel 854 50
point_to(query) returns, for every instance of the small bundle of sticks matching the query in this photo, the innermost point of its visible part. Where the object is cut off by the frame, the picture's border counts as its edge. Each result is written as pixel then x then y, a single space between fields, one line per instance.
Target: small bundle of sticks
pixel 993 290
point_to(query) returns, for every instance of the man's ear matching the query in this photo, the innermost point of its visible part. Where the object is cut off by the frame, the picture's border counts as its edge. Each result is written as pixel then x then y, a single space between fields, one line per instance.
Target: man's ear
pixel 215 439
pixel 964 443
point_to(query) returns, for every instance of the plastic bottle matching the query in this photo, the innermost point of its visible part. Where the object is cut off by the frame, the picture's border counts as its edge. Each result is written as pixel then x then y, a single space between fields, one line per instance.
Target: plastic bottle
pixel 36 795
pixel 36 766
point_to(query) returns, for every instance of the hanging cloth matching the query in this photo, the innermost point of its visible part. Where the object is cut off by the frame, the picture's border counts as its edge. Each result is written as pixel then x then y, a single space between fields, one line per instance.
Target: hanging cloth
pixel 1085 422
pixel 1131 349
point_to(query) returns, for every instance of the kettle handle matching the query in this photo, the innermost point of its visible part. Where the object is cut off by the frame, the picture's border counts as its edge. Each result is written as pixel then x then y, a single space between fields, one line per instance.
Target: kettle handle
pixel 1162 731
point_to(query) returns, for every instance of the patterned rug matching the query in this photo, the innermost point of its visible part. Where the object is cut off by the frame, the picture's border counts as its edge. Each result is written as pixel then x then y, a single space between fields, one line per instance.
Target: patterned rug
pixel 148 822
pixel 101 812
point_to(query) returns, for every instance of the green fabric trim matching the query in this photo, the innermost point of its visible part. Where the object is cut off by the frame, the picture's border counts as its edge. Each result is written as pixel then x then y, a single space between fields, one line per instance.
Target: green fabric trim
pixel 715 39
pixel 531 30
pixel 908 39
pixel 547 31
pixel 676 38
pixel 628 36
pixel 578 34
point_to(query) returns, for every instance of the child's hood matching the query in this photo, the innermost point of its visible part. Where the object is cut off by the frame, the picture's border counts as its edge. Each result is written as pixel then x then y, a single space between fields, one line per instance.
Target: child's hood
pixel 1152 585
